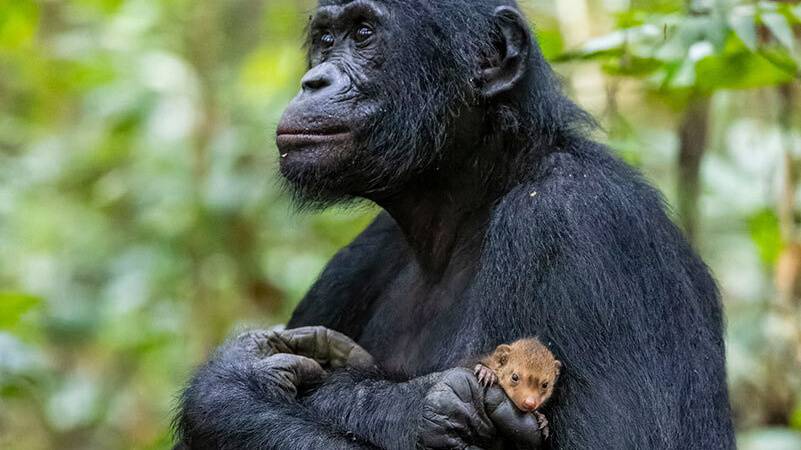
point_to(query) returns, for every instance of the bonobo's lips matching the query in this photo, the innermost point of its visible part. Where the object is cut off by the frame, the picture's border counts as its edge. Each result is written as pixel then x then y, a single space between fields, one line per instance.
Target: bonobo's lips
pixel 291 139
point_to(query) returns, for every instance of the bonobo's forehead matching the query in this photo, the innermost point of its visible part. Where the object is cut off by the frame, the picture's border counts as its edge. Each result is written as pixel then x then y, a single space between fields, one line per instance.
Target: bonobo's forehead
pixel 332 8
pixel 335 2
pixel 459 3
pixel 436 10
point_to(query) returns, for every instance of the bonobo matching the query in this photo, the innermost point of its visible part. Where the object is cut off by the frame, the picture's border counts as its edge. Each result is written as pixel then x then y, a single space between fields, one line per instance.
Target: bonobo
pixel 501 219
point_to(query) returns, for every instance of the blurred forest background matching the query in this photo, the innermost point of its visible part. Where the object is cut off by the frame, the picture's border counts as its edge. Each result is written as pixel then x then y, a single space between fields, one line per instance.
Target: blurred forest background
pixel 141 220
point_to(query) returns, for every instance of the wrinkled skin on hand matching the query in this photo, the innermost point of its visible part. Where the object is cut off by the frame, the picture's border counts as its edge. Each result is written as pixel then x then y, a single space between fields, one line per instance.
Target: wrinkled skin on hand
pixel 298 357
pixel 328 348
pixel 460 413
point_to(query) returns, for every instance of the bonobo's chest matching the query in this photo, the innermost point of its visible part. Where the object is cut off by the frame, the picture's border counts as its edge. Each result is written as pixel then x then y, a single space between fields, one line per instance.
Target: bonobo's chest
pixel 416 324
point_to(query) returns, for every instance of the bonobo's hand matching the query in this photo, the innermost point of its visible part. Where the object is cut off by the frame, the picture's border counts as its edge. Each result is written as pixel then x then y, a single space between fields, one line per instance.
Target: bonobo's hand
pixel 287 359
pixel 459 413
pixel 520 430
pixel 329 348
pixel 247 391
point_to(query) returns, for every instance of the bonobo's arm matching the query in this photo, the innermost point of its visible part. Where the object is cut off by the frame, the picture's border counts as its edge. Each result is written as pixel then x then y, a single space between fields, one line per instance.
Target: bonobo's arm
pixel 377 410
pixel 246 398
pixel 441 410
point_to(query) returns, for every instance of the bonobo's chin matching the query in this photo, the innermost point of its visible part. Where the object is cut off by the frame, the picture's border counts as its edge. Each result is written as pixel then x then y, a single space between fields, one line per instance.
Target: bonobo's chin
pixel 310 191
pixel 319 176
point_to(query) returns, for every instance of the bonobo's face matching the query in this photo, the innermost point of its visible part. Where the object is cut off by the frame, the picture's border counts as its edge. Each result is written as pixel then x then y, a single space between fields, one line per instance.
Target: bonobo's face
pixel 375 106
pixel 319 132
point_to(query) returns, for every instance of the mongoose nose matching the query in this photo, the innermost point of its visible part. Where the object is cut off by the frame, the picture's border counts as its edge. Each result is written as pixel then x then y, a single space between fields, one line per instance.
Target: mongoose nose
pixel 530 403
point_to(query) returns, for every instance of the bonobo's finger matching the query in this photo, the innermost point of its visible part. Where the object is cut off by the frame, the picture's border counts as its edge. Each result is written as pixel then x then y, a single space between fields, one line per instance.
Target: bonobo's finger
pixel 328 347
pixel 284 373
pixel 301 369
pixel 256 343
pixel 453 413
pixel 522 429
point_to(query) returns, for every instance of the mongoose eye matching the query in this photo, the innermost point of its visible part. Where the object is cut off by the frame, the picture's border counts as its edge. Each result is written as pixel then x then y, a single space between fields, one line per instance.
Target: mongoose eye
pixel 515 377
pixel 545 385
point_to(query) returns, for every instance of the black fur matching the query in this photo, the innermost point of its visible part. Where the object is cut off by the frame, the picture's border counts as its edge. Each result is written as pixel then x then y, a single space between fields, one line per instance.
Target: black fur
pixel 512 226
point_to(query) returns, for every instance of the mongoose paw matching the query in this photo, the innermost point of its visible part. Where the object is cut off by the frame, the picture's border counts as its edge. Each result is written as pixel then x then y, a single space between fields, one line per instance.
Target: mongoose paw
pixel 485 375
pixel 543 422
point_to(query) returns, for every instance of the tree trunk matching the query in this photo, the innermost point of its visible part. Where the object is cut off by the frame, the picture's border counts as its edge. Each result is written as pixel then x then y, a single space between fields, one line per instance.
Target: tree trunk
pixel 693 134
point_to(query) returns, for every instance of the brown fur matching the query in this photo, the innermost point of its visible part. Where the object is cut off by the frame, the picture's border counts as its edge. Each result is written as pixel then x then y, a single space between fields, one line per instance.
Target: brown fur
pixel 526 370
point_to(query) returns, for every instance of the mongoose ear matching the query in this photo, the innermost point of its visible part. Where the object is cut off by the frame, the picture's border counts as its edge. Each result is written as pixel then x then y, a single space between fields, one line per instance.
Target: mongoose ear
pixel 502 354
pixel 558 365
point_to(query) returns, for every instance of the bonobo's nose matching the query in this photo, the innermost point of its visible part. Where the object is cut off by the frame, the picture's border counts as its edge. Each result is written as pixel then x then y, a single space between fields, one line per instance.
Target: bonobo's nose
pixel 531 403
pixel 320 78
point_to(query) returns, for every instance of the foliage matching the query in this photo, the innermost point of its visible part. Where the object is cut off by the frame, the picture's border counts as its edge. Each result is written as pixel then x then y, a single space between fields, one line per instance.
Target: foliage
pixel 141 220
pixel 139 215
pixel 725 46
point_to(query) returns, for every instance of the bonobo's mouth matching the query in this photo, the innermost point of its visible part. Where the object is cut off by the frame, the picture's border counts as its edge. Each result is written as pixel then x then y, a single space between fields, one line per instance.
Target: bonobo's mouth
pixel 290 139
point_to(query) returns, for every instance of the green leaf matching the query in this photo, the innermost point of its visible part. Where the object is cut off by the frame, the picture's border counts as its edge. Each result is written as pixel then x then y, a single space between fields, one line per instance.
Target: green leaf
pixel 795 419
pixel 766 235
pixel 13 306
pixel 684 77
pixel 745 28
pixel 780 28
pixel 19 21
pixel 780 58
pixel 632 66
pixel 551 42
pixel 739 68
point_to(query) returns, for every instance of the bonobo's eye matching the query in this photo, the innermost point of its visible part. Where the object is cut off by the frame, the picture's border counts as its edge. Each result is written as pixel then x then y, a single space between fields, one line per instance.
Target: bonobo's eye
pixel 327 40
pixel 363 33
pixel 515 377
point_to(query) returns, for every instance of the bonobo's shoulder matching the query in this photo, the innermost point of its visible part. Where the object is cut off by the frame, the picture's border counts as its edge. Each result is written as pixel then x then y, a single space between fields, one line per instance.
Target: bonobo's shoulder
pixel 589 166
pixel 580 187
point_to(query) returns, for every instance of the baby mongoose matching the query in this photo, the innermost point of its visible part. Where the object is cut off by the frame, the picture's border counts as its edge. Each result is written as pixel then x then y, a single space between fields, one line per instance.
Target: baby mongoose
pixel 526 370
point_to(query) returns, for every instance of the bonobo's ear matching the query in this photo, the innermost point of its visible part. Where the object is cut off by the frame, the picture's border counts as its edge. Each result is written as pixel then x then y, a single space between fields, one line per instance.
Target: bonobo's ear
pixel 514 45
pixel 502 354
